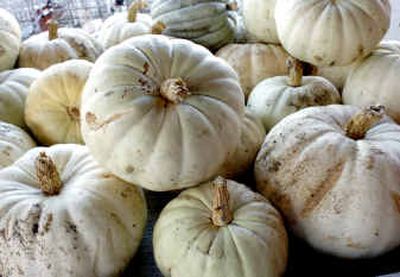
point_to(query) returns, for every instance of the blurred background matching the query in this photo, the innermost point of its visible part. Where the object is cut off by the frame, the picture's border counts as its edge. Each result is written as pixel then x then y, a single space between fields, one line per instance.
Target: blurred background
pixel 33 14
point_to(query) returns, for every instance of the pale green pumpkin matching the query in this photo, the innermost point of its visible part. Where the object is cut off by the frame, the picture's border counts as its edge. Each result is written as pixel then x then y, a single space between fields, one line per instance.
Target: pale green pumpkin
pixel 208 23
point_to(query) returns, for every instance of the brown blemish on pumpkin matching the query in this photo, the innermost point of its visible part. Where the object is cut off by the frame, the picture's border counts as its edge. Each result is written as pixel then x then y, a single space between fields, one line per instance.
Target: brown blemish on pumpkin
pixel 94 125
pixel 360 50
pixel 273 165
pixel 396 200
pixel 129 169
pixel 146 67
pixel 318 58
pixel 73 113
pixel 107 175
pixel 47 224
pixel 316 196
pixel 125 93
pixel 352 244
pixel 370 161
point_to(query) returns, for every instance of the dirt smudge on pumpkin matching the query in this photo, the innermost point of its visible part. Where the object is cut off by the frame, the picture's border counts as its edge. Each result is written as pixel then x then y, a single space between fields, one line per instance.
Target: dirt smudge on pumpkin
pixel 96 125
pixel 129 169
pixel 352 244
pixel 47 223
pixel 319 193
pixel 396 200
pixel 146 67
pixel 107 175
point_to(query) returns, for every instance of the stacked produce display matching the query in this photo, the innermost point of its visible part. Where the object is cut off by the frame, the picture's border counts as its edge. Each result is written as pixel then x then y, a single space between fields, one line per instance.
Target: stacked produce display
pixel 285 129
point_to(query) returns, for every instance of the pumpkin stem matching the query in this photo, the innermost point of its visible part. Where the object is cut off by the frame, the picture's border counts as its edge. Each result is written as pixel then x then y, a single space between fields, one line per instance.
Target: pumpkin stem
pixel 134 8
pixel 358 125
pixel 295 71
pixel 174 90
pixel 53 29
pixel 221 213
pixel 47 175
pixel 158 28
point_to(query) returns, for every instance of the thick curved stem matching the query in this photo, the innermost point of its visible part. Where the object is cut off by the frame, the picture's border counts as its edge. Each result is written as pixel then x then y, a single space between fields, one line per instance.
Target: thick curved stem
pixel 53 30
pixel 295 72
pixel 134 8
pixel 221 213
pixel 47 175
pixel 358 126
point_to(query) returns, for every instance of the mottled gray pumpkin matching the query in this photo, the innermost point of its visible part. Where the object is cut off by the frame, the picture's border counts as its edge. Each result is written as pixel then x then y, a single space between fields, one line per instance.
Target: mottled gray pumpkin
pixel 208 23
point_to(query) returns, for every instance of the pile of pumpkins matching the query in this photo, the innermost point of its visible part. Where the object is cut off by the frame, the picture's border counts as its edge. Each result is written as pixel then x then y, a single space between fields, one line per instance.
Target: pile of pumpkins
pixel 168 101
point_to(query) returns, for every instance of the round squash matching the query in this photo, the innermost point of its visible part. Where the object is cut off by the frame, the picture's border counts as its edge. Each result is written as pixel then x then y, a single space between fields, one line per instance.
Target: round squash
pixel 10 40
pixel 161 113
pixel 14 87
pixel 254 62
pixel 375 80
pixel 52 109
pixel 251 139
pixel 58 45
pixel 14 142
pixel 330 32
pixel 277 97
pixel 122 26
pixel 334 173
pixel 61 214
pixel 220 228
pixel 259 19
pixel 208 23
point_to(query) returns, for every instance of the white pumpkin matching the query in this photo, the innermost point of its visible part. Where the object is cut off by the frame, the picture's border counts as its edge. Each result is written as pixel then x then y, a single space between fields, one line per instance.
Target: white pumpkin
pixel 259 19
pixel 220 228
pixel 122 26
pixel 14 87
pixel 334 173
pixel 63 215
pixel 161 113
pixel 52 110
pixel 277 97
pixel 14 142
pixel 254 62
pixel 375 80
pixel 10 40
pixel 330 32
pixel 58 45
pixel 208 23
pixel 337 75
pixel 251 139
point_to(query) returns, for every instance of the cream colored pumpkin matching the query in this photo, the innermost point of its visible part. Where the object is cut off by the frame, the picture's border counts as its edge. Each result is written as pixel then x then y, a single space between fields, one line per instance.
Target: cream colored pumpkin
pixel 14 142
pixel 10 40
pixel 208 23
pixel 259 19
pixel 162 113
pixel 254 62
pixel 334 173
pixel 251 139
pixel 14 87
pixel 56 46
pixel 328 32
pixel 277 97
pixel 220 228
pixel 52 110
pixel 122 26
pixel 375 80
pixel 61 214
